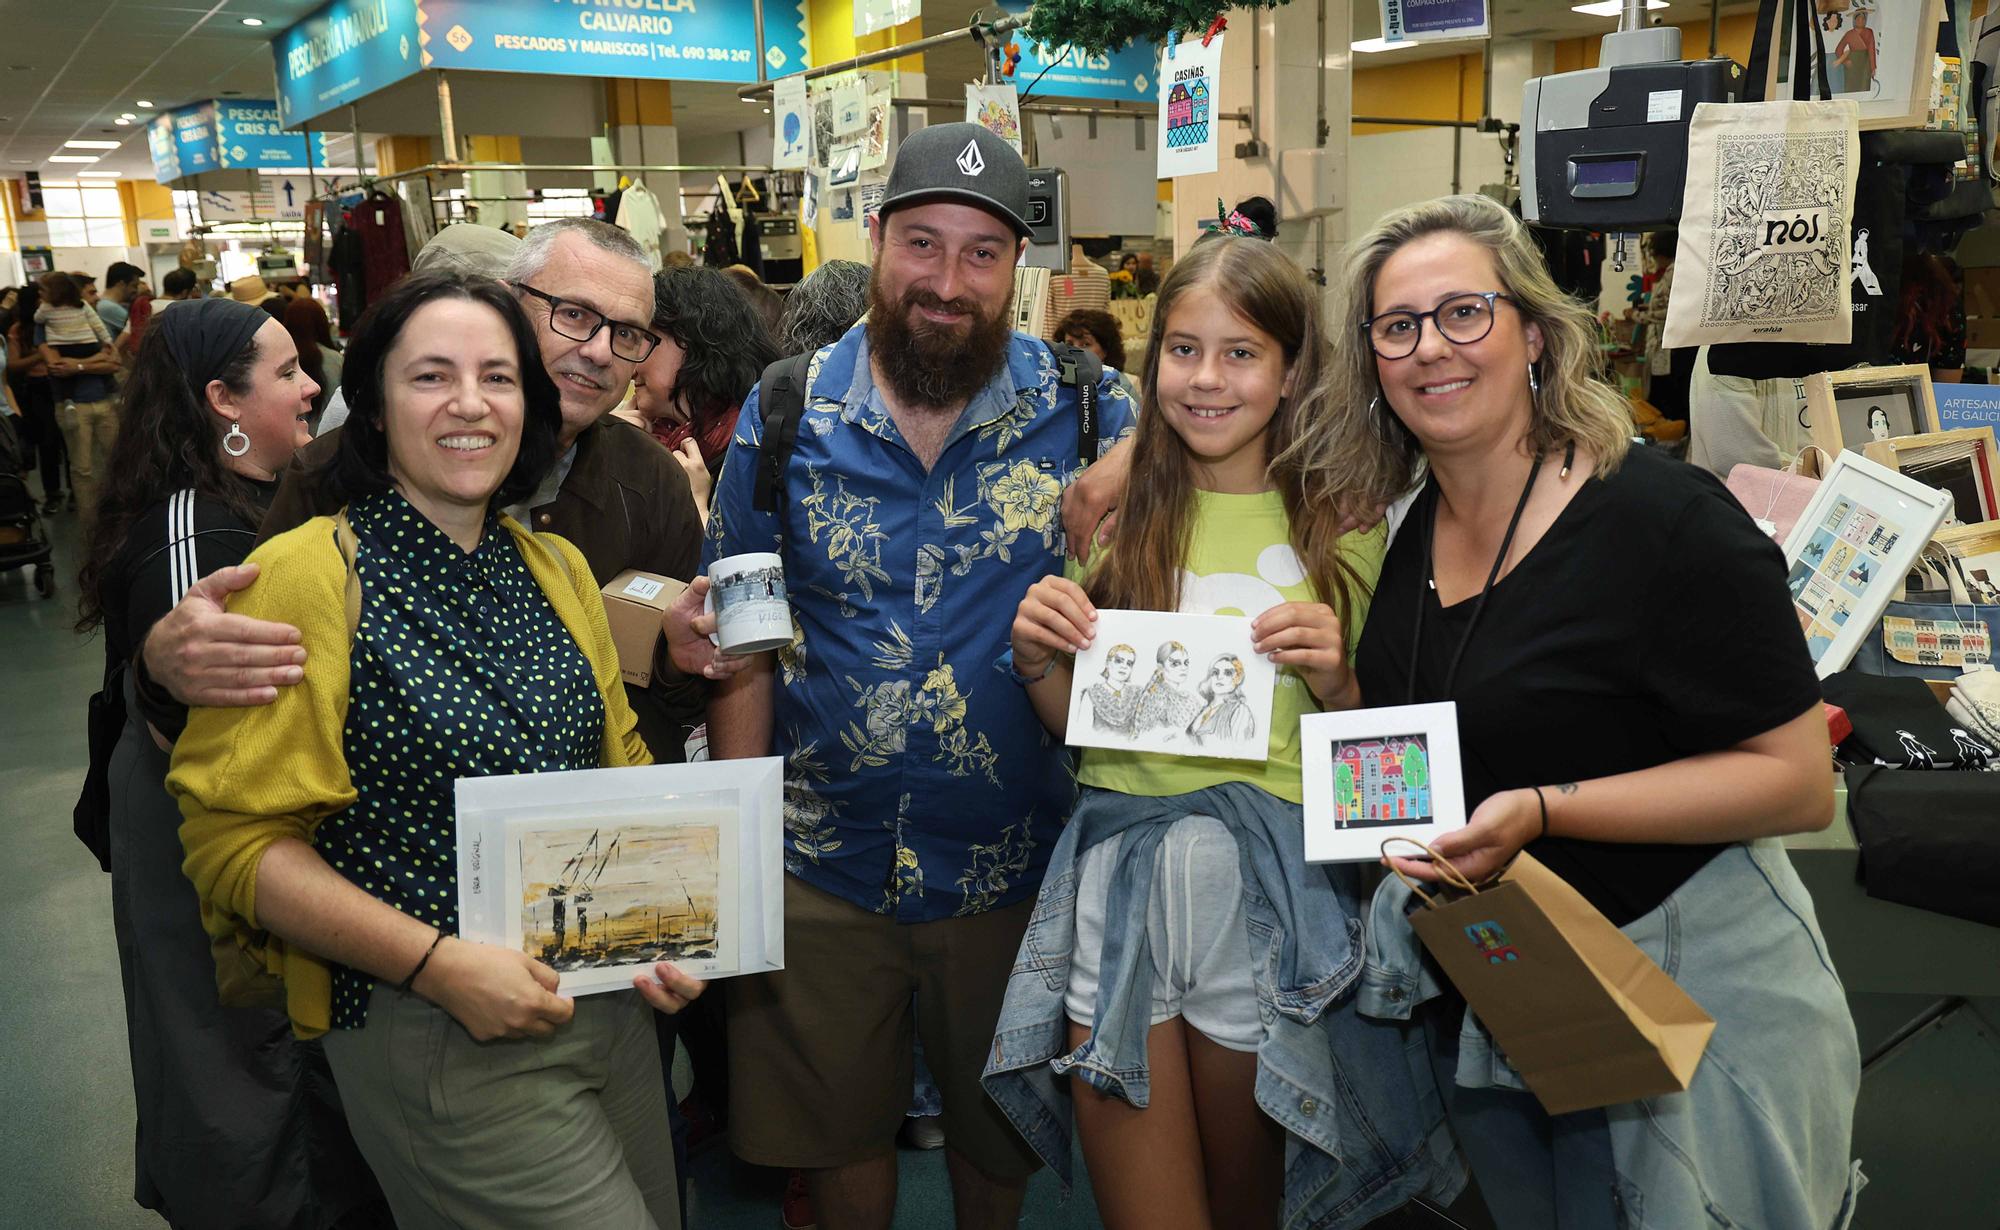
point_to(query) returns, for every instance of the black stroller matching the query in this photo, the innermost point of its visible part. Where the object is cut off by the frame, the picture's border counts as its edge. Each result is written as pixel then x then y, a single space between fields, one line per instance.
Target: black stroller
pixel 22 541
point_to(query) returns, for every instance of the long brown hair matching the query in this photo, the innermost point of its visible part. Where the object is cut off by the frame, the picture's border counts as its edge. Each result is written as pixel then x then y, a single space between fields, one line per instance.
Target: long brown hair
pixel 1263 286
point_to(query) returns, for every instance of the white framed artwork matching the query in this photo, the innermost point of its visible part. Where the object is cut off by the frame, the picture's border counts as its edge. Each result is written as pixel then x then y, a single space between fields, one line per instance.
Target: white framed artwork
pixel 601 873
pixel 1850 550
pixel 1182 685
pixel 1373 774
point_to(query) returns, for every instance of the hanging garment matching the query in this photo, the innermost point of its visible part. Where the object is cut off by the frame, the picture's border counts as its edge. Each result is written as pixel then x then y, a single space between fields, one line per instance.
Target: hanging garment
pixel 344 261
pixel 385 249
pixel 720 250
pixel 639 213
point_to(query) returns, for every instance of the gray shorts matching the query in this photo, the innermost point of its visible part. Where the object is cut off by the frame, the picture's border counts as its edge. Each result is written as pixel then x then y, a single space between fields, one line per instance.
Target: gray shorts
pixel 1194 923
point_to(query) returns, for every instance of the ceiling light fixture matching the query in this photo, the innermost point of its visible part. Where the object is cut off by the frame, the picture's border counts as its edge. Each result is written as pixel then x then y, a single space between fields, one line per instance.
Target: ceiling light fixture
pixel 146 104
pixel 1611 8
pixel 1368 46
pixel 121 120
pixel 74 158
pixel 100 174
pixel 253 21
pixel 90 145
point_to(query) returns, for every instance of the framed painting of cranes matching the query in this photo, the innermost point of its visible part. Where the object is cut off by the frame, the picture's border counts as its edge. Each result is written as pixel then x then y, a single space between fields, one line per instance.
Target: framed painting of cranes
pixel 602 873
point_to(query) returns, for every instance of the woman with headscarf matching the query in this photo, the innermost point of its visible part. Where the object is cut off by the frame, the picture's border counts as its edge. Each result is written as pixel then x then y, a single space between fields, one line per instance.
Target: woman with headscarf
pixel 238 1125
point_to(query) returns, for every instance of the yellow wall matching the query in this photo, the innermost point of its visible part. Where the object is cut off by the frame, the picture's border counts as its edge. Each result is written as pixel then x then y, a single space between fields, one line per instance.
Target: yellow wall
pixel 1445 89
pixel 628 103
pixel 493 149
pixel 830 24
pixel 396 154
pixel 7 190
pixel 1733 36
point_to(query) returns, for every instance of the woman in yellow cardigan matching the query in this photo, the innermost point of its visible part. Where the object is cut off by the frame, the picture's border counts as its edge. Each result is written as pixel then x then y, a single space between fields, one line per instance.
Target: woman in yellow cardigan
pixel 443 641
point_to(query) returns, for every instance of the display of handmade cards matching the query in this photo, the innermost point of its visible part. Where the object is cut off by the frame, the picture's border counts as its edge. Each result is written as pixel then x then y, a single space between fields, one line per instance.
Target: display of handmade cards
pixel 601 873
pixel 1185 685
pixel 1850 551
pixel 1373 774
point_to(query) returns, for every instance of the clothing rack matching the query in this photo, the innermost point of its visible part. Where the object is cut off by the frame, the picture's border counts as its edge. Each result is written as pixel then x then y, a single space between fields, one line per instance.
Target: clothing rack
pixel 439 206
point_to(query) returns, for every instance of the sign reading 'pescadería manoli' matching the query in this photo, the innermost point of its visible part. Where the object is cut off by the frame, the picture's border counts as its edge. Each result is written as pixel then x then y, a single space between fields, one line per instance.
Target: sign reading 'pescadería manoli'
pixel 343 52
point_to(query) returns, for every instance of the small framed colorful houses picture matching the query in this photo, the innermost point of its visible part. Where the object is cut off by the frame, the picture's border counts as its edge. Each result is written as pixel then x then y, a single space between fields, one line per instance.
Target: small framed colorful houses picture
pixel 1373 774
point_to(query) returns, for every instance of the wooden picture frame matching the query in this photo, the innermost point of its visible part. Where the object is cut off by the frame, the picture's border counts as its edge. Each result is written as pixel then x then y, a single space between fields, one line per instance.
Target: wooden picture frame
pixel 1975 492
pixel 1976 551
pixel 1909 403
pixel 1894 100
pixel 1849 553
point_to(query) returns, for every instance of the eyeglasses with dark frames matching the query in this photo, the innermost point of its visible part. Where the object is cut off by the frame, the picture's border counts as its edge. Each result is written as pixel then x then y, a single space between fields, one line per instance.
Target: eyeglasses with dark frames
pixel 1461 319
pixel 578 323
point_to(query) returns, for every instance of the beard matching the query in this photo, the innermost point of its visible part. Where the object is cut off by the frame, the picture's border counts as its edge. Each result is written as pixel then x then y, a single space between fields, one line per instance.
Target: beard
pixel 929 365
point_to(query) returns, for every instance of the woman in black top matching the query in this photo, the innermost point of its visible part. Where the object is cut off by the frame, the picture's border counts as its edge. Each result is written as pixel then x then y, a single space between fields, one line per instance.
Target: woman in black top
pixel 1634 699
pixel 238 1124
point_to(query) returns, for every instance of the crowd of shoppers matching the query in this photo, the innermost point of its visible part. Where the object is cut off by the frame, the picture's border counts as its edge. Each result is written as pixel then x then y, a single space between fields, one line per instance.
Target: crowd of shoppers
pixel 1127 949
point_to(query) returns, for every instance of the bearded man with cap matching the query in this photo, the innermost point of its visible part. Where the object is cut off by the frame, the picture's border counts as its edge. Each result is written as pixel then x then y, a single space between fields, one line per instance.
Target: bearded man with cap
pixel 921 798
pixel 615 493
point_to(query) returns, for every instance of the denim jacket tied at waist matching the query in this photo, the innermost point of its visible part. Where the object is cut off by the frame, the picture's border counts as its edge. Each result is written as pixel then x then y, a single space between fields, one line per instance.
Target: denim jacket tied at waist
pixel 1364 1121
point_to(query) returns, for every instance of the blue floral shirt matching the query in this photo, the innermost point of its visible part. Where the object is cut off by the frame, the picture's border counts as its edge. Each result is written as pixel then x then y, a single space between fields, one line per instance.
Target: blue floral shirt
pixel 918 781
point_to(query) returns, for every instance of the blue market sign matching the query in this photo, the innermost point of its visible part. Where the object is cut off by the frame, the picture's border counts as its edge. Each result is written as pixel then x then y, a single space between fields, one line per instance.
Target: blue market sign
pixel 250 134
pixel 676 40
pixel 343 52
pixel 160 143
pixel 194 140
pixel 1128 74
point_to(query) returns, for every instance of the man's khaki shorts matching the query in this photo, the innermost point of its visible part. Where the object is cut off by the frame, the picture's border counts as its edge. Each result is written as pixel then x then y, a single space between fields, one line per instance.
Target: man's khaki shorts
pixel 820 1054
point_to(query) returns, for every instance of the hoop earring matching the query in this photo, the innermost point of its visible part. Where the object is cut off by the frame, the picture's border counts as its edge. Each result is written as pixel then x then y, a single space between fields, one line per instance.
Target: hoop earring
pixel 236 443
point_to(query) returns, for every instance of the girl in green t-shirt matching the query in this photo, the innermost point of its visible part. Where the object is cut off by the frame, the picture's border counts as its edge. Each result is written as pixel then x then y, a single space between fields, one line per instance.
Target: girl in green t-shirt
pixel 1220 516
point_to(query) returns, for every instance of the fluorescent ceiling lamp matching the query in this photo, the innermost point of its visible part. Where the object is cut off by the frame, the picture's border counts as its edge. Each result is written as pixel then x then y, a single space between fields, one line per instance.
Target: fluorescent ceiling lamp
pixel 121 120
pixel 253 21
pixel 146 104
pixel 100 174
pixel 90 145
pixel 73 158
pixel 1368 46
pixel 1612 8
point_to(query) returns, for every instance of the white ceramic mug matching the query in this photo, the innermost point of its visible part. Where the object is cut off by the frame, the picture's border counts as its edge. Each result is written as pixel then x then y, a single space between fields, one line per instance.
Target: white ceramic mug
pixel 746 594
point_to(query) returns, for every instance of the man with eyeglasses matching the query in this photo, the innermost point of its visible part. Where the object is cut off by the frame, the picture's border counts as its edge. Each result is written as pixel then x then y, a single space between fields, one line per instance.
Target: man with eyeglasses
pixel 614 492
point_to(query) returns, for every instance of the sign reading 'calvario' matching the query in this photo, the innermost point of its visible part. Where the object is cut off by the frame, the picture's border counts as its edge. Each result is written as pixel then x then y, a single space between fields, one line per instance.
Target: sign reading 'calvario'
pixel 346 50
pixel 688 40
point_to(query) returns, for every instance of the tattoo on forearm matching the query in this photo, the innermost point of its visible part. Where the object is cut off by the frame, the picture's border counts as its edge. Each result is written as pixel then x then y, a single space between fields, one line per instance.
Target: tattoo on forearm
pixel 1567 787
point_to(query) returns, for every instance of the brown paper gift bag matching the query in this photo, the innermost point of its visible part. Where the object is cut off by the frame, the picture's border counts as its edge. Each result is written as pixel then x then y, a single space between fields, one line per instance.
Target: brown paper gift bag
pixel 1582 1014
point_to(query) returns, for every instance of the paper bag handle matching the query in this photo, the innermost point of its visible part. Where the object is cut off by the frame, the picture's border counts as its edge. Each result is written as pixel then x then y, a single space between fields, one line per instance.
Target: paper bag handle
pixel 1452 875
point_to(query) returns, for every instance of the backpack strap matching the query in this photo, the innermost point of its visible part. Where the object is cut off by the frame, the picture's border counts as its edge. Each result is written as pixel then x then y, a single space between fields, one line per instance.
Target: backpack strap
pixel 1082 371
pixel 781 401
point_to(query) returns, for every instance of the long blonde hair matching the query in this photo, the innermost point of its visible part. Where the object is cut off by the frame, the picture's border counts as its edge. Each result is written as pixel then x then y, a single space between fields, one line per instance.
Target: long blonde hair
pixel 1371 448
pixel 1155 524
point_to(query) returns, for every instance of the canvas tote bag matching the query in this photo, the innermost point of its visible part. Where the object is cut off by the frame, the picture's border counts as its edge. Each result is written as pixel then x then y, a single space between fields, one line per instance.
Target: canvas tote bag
pixel 1764 240
pixel 1583 1015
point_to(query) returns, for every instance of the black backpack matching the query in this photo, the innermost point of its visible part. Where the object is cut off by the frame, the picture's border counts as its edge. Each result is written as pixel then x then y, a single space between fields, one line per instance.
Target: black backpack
pixel 782 404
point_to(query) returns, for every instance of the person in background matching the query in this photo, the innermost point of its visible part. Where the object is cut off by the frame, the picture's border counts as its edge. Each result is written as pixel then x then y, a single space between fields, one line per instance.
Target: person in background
pixel 713 349
pixel 82 366
pixel 1147 277
pixel 1734 420
pixel 123 282
pixel 28 377
pixel 8 299
pixel 312 333
pixel 916 848
pixel 252 289
pixel 238 1124
pixel 86 285
pixel 1669 371
pixel 178 286
pixel 677 259
pixel 1098 332
pixel 1653 784
pixel 478 1095
pixel 769 303
pixel 823 307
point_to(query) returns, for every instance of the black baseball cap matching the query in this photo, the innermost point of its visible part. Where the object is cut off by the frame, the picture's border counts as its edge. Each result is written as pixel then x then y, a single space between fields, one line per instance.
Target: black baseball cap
pixel 960 162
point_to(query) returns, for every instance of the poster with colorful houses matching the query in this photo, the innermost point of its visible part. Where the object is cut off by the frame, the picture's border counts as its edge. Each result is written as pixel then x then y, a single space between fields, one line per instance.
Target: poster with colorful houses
pixel 1374 774
pixel 1190 99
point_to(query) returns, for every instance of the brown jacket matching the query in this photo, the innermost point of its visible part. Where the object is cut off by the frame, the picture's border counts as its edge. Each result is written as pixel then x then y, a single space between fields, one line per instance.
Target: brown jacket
pixel 625 504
